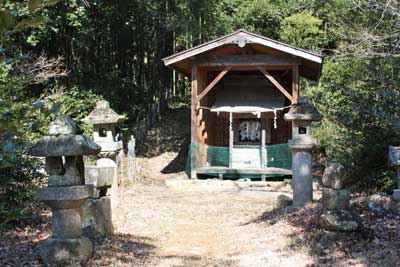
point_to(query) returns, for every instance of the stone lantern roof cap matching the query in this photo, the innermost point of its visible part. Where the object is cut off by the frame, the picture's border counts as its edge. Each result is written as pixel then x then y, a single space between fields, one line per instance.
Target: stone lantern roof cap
pixel 103 114
pixel 64 145
pixel 303 110
pixel 65 139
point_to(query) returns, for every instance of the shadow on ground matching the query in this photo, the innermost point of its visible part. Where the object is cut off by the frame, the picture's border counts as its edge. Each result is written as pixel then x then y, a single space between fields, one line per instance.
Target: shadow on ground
pixel 178 164
pixel 122 250
pixel 376 244
pixel 196 261
pixel 125 250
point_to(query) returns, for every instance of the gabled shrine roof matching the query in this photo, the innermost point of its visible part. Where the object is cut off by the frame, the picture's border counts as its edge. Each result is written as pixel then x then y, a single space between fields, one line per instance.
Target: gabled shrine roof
pixel 244 42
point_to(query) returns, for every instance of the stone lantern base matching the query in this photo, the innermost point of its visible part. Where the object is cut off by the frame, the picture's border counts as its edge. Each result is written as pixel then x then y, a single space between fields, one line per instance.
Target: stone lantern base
pixel 59 250
pixel 67 243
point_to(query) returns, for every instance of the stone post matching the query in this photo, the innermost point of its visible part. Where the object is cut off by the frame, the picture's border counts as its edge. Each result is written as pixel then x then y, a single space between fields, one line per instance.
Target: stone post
pixel 394 161
pixel 302 114
pixel 66 192
pixel 97 211
pixel 336 200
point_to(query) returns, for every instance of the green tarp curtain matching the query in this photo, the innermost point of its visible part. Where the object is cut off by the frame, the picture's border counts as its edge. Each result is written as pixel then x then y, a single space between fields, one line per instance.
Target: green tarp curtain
pixel 278 156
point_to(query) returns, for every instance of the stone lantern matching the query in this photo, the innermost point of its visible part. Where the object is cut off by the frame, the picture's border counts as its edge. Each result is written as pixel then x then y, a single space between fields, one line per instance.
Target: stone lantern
pixel 97 211
pixel 302 114
pixel 66 192
pixel 104 121
pixel 394 161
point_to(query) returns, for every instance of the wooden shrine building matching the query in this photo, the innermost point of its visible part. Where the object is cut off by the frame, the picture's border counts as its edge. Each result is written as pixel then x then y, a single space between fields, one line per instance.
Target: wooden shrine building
pixel 242 84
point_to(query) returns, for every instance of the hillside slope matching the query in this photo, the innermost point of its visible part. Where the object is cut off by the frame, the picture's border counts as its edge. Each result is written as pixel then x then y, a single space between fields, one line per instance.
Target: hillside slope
pixel 163 154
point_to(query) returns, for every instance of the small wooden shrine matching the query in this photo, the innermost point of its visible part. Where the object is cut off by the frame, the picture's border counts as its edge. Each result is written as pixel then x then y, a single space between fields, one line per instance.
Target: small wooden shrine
pixel 242 85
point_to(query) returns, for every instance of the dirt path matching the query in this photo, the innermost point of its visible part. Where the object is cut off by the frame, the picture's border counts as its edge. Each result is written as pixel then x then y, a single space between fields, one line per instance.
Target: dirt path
pixel 208 224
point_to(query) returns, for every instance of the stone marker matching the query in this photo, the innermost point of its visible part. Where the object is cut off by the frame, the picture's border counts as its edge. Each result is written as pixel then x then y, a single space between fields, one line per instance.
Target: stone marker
pixel 302 114
pixel 335 176
pixel 66 191
pixel 336 200
pixel 339 220
pixel 394 161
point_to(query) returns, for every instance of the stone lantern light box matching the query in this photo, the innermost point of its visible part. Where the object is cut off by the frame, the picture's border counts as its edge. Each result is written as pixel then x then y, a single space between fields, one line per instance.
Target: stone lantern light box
pixel 104 120
pixel 302 115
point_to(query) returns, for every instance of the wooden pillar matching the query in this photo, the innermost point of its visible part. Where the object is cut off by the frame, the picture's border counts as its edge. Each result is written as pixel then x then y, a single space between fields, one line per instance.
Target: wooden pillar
pixel 263 153
pixel 230 140
pixel 193 126
pixel 295 83
pixel 202 117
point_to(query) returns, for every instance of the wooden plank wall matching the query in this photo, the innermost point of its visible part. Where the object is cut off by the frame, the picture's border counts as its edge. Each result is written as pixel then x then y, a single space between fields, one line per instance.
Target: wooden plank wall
pixel 217 126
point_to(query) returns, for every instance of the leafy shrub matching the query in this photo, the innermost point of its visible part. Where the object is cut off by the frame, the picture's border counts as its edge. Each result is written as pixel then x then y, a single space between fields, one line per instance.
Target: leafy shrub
pixel 359 100
pixel 17 184
pixel 76 102
pixel 23 120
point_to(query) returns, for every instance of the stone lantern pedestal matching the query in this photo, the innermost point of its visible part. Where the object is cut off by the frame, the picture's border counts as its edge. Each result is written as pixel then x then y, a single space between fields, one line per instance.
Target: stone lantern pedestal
pixel 66 243
pixel 97 212
pixel 394 161
pixel 302 115
pixel 66 191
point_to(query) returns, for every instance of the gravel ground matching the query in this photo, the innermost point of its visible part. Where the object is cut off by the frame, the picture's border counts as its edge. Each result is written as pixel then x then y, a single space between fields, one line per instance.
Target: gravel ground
pixel 205 227
pixel 215 223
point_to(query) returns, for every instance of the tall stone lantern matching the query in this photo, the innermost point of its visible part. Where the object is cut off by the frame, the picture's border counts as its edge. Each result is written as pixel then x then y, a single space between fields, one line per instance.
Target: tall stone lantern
pixel 302 114
pixel 66 192
pixel 104 121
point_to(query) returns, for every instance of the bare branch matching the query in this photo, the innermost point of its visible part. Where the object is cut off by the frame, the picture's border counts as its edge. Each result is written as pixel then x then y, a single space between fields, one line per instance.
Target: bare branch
pixel 375 39
pixel 42 69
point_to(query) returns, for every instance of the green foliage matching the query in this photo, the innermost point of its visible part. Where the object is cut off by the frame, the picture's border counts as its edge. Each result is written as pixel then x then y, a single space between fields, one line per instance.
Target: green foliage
pixel 385 182
pixel 76 102
pixel 19 125
pixel 303 30
pixel 359 100
pixel 17 186
pixel 23 116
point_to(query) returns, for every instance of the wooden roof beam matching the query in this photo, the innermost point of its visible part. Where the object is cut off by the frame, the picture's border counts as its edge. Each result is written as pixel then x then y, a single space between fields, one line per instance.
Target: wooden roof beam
pixel 275 82
pixel 246 60
pixel 212 84
pixel 248 38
